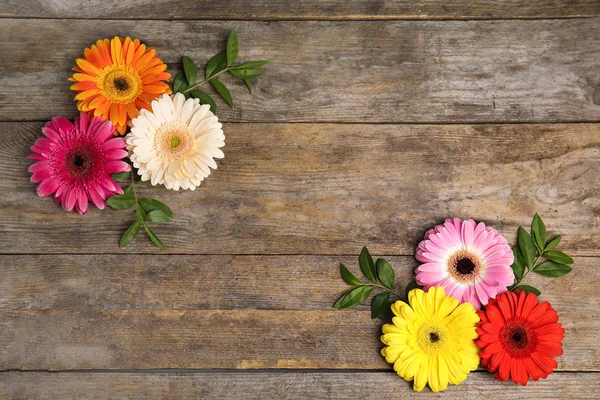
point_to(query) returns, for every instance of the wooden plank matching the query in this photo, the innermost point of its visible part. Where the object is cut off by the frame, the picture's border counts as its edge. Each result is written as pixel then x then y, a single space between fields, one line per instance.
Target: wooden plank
pixel 386 71
pixel 277 385
pixel 241 339
pixel 89 282
pixel 291 9
pixel 331 189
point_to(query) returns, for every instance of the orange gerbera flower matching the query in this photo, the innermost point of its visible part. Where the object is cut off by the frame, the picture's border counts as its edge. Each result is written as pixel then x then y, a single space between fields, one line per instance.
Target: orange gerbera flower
pixel 116 78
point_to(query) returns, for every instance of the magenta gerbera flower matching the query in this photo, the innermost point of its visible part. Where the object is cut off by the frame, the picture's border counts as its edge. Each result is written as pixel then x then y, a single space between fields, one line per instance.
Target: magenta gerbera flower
pixel 471 261
pixel 75 162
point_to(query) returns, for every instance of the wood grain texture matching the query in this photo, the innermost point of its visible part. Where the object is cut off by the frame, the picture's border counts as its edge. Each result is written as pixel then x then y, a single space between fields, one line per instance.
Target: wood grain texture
pixel 173 282
pixel 240 339
pixel 331 189
pixel 385 71
pixel 292 9
pixel 282 386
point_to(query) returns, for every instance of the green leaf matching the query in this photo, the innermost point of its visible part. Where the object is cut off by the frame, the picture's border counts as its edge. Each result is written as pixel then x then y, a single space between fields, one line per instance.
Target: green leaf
pixel 385 272
pixel 356 296
pixel 150 205
pixel 141 214
pixel 128 191
pixel 121 202
pixel 348 277
pixel 153 237
pixel 518 265
pixel 179 84
pixel 232 47
pixel 411 285
pixel 205 99
pixel 366 265
pixel 158 216
pixel 558 256
pixel 380 306
pixel 551 268
pixel 189 68
pixel 215 64
pixel 121 176
pixel 526 246
pixel 248 85
pixel 552 244
pixel 223 91
pixel 130 233
pixel 538 232
pixel 252 64
pixel 246 73
pixel 529 289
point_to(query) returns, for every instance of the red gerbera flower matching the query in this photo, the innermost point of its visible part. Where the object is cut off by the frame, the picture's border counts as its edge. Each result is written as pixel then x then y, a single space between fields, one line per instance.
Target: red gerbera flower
pixel 519 337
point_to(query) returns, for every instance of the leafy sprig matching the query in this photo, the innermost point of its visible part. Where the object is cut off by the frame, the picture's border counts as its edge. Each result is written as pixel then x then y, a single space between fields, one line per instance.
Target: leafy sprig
pixel 146 210
pixel 222 62
pixel 380 275
pixel 535 253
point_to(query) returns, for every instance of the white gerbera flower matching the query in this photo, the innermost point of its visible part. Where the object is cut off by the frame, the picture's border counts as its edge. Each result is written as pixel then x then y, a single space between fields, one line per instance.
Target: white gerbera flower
pixel 175 143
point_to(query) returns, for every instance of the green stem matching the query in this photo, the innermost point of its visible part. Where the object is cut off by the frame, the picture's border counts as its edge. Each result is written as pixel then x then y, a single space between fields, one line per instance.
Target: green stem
pixel 528 271
pixel 384 288
pixel 134 191
pixel 206 80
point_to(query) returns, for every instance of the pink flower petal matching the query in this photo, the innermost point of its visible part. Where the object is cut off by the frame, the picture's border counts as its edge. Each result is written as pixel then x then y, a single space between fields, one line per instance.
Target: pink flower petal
pixel 62 124
pixel 39 166
pixel 69 200
pixel 114 143
pixel 82 202
pixel 47 187
pixel 112 167
pixel 40 176
pixel 104 131
pixel 116 154
pixel 96 197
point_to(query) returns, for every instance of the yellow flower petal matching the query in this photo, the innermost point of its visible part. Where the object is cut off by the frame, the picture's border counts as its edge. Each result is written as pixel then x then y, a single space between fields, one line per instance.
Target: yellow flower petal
pixel 430 340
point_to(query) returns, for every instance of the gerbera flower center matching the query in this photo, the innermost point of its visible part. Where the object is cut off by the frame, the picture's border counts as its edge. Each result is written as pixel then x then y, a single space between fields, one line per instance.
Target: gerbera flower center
pixel 518 338
pixel 120 84
pixel 79 161
pixel 433 337
pixel 173 141
pixel 465 266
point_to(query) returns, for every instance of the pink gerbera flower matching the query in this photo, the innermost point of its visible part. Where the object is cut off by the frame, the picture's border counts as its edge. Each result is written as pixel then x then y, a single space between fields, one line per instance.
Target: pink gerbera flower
pixel 471 261
pixel 75 162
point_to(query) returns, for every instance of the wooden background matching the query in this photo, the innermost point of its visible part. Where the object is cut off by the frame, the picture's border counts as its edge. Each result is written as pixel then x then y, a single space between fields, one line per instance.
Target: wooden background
pixel 375 121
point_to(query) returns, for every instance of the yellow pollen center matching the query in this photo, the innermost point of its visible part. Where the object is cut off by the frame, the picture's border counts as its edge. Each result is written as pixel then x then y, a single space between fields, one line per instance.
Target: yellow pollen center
pixel 433 337
pixel 120 84
pixel 465 266
pixel 173 141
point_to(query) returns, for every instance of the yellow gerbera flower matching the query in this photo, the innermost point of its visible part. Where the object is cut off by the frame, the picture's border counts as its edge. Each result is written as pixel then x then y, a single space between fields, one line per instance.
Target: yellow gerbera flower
pixel 116 78
pixel 431 340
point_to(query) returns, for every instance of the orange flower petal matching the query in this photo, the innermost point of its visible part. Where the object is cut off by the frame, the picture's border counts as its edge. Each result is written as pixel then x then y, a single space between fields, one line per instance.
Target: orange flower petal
pixel 122 114
pixel 87 94
pixel 130 51
pixel 139 51
pixel 132 111
pixel 141 64
pixel 103 110
pixel 86 85
pixel 84 78
pixel 115 50
pixel 114 114
pixel 86 66
pixel 154 70
pixel 155 89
